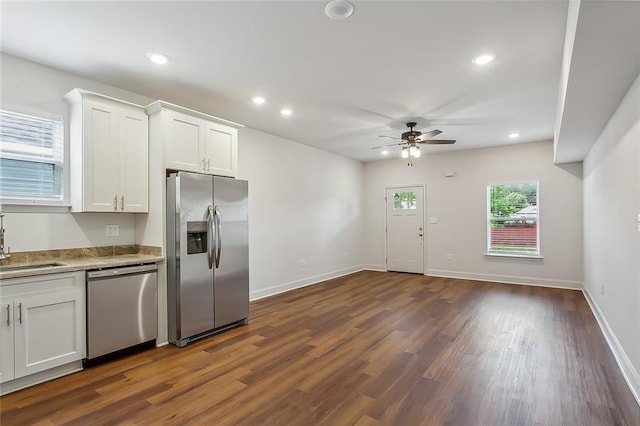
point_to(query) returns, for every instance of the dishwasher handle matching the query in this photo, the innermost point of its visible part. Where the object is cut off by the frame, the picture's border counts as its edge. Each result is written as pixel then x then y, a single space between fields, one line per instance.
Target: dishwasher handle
pixel 125 270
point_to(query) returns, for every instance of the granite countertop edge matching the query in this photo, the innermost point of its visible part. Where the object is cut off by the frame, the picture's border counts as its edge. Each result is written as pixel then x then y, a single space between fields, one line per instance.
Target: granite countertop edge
pixel 73 265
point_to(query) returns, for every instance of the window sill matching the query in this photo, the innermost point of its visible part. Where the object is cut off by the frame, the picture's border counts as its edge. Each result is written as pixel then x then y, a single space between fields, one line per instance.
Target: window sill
pixel 35 208
pixel 517 256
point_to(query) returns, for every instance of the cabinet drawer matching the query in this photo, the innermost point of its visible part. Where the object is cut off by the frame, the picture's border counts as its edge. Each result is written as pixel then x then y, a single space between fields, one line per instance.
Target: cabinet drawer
pixel 42 283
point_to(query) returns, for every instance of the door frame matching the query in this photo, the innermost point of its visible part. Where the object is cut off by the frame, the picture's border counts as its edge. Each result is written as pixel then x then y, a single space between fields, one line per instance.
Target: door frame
pixel 424 222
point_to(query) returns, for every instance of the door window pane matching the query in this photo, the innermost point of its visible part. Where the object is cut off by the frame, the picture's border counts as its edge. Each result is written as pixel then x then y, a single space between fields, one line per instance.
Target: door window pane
pixel 404 200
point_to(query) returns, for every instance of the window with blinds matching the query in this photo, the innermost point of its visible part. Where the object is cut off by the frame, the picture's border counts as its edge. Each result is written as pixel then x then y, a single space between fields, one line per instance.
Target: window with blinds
pixel 512 219
pixel 31 159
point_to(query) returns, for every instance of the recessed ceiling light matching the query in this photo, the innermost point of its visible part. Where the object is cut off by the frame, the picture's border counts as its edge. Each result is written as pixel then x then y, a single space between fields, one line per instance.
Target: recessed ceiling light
pixel 514 135
pixel 286 112
pixel 385 152
pixel 483 59
pixel 338 9
pixel 258 100
pixel 158 58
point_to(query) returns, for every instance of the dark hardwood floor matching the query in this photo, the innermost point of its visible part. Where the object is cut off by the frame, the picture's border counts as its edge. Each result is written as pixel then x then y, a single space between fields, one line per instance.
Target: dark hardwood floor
pixel 370 348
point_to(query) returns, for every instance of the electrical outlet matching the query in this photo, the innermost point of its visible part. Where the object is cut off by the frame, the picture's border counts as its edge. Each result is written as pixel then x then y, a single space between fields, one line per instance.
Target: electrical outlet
pixel 302 263
pixel 449 256
pixel 602 289
pixel 113 230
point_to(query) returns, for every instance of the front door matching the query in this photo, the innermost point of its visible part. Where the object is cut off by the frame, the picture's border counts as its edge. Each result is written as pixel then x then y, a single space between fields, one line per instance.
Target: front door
pixel 405 229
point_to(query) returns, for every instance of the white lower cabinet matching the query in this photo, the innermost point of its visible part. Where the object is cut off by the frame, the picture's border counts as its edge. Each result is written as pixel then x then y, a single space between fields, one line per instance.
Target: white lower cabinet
pixel 42 323
pixel 6 338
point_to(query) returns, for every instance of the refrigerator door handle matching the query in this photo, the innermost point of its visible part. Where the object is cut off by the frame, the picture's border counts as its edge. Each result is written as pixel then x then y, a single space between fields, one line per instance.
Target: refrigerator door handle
pixel 210 236
pixel 218 236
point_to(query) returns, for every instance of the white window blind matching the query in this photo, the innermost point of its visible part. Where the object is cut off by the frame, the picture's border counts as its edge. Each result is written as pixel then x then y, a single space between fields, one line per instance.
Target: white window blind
pixel 513 219
pixel 31 159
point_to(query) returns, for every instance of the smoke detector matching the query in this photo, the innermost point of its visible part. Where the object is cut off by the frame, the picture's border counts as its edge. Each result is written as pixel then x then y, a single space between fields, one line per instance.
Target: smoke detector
pixel 338 9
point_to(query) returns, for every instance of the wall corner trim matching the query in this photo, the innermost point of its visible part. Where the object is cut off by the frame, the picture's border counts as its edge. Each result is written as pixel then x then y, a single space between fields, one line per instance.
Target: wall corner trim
pixel 630 374
pixel 376 268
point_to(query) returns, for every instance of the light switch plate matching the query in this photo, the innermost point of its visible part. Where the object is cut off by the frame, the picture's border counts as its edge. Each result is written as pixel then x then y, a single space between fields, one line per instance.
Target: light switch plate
pixel 113 230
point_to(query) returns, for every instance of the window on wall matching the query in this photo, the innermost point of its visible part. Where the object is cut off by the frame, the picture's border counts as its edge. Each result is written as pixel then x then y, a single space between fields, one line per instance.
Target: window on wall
pixel 31 159
pixel 404 200
pixel 512 219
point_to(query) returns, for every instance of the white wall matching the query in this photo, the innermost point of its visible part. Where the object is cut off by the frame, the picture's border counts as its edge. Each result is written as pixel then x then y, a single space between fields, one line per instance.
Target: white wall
pixel 459 203
pixel 304 203
pixel 611 234
pixel 33 88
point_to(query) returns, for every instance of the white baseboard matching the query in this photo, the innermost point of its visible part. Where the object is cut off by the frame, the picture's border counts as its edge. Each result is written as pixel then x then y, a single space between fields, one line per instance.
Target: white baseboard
pixel 292 285
pixel 507 279
pixel 629 372
pixel 376 268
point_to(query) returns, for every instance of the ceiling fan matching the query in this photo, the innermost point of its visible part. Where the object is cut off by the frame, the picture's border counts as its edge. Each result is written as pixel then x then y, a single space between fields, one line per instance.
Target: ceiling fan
pixel 414 137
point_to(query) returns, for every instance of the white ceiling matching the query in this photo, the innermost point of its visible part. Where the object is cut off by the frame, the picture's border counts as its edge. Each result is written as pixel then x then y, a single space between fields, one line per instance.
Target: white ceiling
pixel 347 81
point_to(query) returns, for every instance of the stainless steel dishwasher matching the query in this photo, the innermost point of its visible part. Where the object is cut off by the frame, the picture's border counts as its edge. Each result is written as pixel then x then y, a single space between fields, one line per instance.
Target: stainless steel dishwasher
pixel 122 310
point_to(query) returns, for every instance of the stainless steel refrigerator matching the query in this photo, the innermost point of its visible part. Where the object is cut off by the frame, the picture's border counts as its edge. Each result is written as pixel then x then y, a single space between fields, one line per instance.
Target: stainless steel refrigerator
pixel 207 255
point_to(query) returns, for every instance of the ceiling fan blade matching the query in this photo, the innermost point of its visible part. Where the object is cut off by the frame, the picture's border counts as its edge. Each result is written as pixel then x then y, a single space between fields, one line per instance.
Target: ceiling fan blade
pixel 430 133
pixel 390 137
pixel 393 144
pixel 438 141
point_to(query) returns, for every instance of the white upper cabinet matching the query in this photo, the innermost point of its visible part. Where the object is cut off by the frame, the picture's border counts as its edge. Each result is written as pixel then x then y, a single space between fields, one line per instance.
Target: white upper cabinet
pixel 109 152
pixel 99 159
pixel 193 141
pixel 133 172
pixel 186 137
pixel 220 149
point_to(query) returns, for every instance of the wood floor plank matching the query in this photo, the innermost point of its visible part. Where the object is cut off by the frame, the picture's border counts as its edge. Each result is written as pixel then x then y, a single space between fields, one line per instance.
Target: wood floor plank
pixel 370 348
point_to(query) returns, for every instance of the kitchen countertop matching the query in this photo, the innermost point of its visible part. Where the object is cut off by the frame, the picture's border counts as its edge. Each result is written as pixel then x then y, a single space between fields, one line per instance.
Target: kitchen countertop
pixel 77 260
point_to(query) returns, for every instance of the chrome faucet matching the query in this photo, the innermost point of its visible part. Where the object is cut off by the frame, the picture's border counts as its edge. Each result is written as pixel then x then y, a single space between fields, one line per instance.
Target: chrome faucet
pixel 3 255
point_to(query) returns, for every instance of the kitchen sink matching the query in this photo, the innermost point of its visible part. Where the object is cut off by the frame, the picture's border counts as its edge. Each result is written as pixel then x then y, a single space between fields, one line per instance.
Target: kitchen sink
pixel 9 268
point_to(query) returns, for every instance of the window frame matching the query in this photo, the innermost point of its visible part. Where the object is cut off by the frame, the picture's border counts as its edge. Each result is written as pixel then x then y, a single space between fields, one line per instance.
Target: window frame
pixel 516 254
pixel 18 204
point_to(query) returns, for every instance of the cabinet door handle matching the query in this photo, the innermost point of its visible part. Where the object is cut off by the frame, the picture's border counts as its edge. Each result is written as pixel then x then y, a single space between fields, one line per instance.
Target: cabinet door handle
pixel 208 165
pixel 115 202
pixel 20 312
pixel 8 315
pixel 122 203
pixel 203 169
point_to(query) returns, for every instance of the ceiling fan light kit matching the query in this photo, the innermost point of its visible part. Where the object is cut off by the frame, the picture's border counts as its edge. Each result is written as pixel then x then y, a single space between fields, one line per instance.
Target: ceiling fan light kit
pixel 412 138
